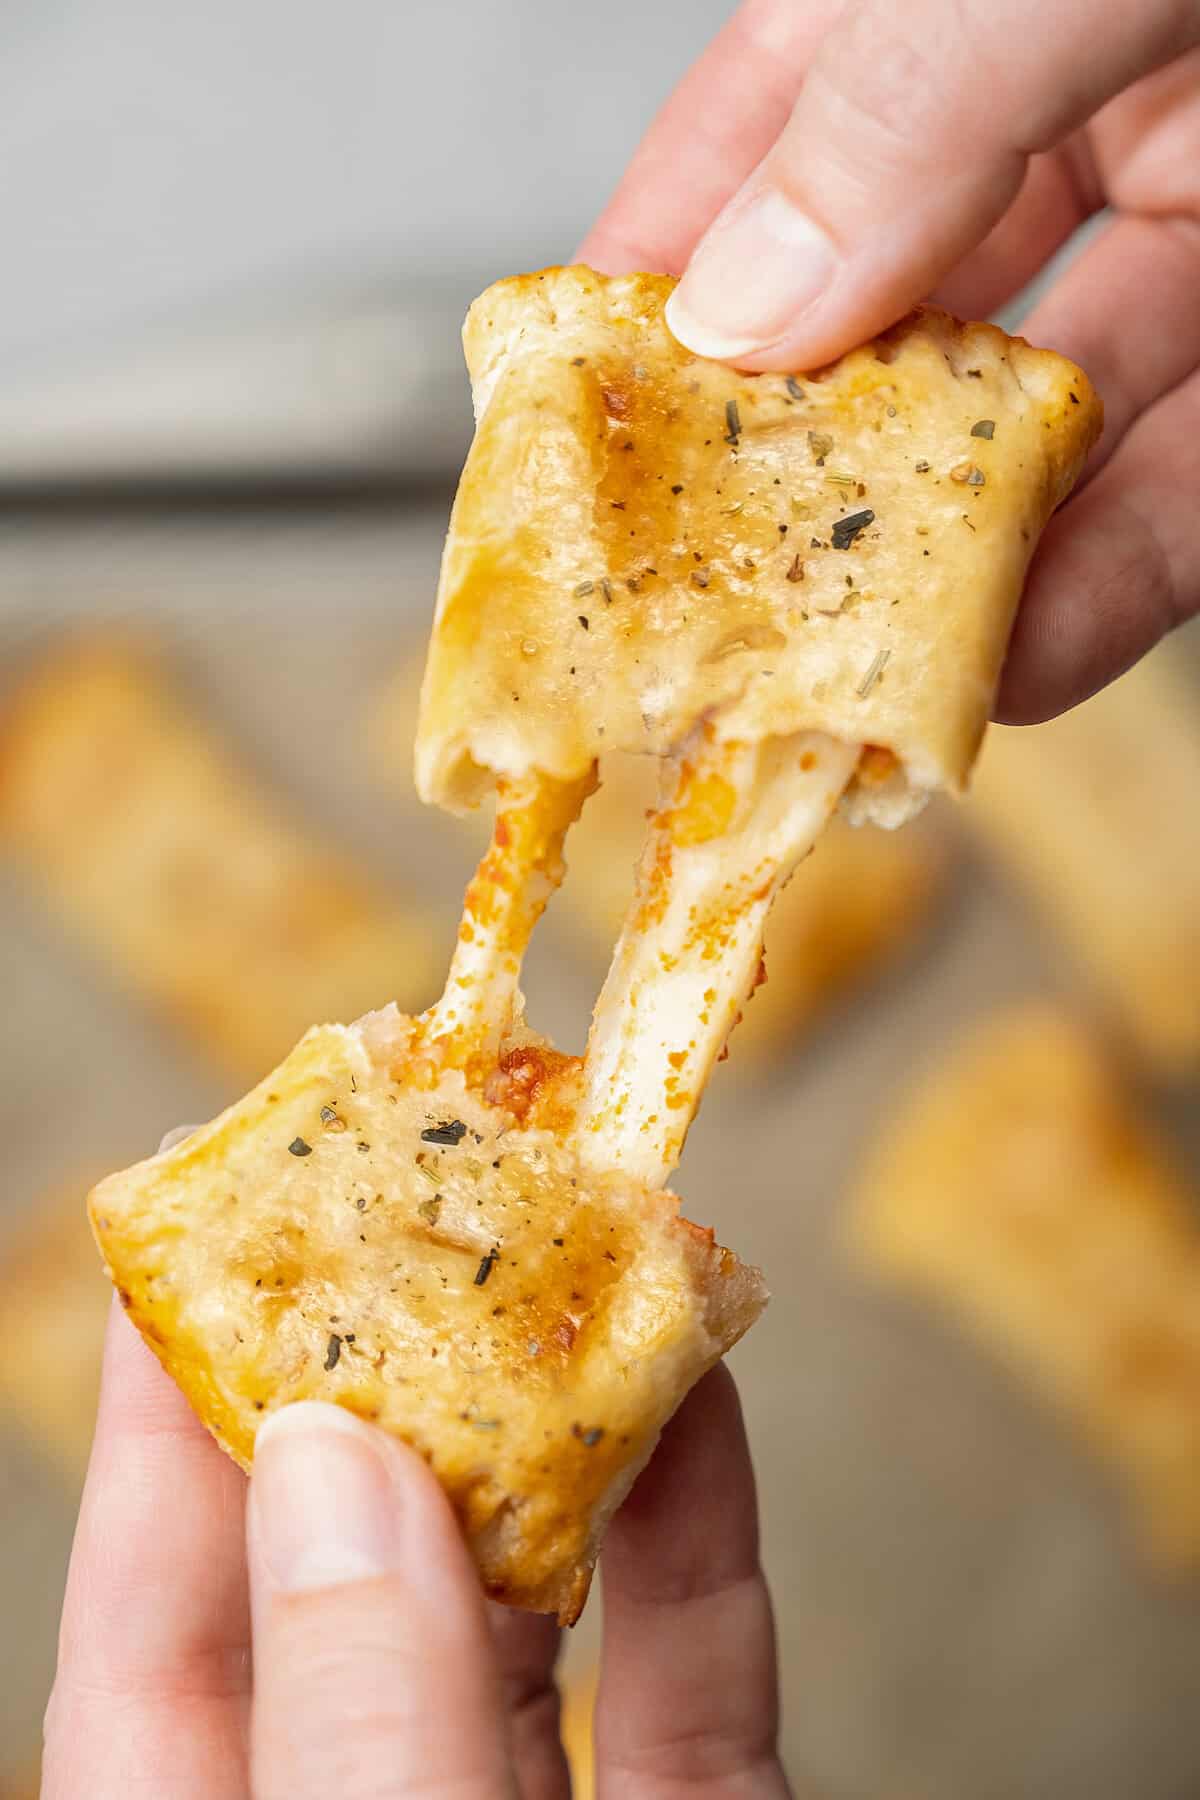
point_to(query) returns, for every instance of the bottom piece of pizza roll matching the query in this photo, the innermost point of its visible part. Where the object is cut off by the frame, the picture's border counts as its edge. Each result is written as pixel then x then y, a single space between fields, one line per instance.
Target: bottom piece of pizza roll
pixel 421 1243
pixel 1020 1188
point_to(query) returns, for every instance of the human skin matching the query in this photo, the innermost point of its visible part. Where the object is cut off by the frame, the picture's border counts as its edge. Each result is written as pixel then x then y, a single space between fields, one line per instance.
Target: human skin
pixel 320 1629
pixel 828 163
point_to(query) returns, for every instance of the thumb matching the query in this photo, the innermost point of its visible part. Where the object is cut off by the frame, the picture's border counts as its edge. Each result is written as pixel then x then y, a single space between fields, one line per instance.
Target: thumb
pixel 373 1670
pixel 908 142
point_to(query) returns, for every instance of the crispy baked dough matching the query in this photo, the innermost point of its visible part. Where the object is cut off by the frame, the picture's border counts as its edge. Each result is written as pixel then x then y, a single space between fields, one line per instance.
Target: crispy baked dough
pixel 420 1244
pixel 172 864
pixel 54 1302
pixel 643 539
pixel 1099 813
pixel 1019 1188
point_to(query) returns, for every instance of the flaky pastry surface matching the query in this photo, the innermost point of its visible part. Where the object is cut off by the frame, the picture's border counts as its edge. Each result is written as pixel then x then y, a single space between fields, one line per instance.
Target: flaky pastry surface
pixel 643 539
pixel 420 1245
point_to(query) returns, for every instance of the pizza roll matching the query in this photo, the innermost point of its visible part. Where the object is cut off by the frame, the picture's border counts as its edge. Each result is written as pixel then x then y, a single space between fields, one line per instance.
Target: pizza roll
pixel 181 873
pixel 374 1227
pixel 1097 813
pixel 442 1222
pixel 54 1302
pixel 1020 1188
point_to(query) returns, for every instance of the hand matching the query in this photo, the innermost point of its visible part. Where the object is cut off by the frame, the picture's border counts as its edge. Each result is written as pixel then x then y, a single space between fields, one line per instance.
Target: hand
pixel 377 1667
pixel 827 163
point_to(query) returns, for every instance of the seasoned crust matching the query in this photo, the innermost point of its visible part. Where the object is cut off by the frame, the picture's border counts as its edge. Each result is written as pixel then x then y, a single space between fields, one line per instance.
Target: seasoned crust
pixel 1020 1188
pixel 527 1327
pixel 642 538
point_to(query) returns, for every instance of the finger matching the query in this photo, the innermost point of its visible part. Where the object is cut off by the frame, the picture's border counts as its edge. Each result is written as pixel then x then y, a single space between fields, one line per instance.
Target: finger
pixel 374 1670
pixel 151 1696
pixel 527 1647
pixel 178 1134
pixel 718 124
pixel 909 141
pixel 688 1698
pixel 1059 193
pixel 1126 311
pixel 1117 569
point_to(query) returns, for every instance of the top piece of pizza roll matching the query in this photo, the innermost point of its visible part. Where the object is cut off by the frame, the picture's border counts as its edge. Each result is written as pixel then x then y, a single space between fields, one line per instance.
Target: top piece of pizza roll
pixel 644 540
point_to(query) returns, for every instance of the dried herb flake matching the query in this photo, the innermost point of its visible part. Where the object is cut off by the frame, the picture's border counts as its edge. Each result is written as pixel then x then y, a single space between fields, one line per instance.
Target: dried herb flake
pixel 846 530
pixel 485 1267
pixel 878 665
pixel 298 1147
pixel 333 1350
pixel 733 423
pixel 984 428
pixel 451 1131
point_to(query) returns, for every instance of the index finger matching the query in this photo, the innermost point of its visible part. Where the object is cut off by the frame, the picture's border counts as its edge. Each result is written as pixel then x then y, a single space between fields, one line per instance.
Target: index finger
pixel 151 1696
pixel 719 122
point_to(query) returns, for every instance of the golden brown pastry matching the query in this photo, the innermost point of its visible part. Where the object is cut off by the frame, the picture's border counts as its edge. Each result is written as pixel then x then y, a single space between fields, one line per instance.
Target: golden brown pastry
pixel 442 1222
pixel 1099 813
pixel 643 539
pixel 54 1302
pixel 421 1244
pixel 1019 1188
pixel 174 866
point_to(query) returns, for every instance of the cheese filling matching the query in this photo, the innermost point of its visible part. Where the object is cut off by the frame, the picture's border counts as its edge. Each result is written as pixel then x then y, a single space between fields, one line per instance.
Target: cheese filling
pixel 735 820
pixel 740 818
pixel 503 903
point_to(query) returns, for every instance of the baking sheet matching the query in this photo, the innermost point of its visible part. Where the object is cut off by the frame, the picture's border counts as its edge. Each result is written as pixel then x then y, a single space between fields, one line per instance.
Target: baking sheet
pixel 960 1609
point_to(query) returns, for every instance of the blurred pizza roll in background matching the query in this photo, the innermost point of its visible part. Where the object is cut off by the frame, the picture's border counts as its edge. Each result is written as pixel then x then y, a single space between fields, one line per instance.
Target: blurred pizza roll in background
pixel 1098 813
pixel 1020 1188
pixel 181 872
pixel 54 1302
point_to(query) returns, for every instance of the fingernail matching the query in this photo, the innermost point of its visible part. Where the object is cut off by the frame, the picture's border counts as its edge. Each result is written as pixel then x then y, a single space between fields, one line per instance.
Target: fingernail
pixel 324 1505
pixel 177 1135
pixel 760 266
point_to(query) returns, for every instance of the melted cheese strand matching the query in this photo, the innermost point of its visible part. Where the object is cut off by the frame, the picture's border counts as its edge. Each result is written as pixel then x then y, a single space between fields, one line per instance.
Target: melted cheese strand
pixel 741 818
pixel 505 899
